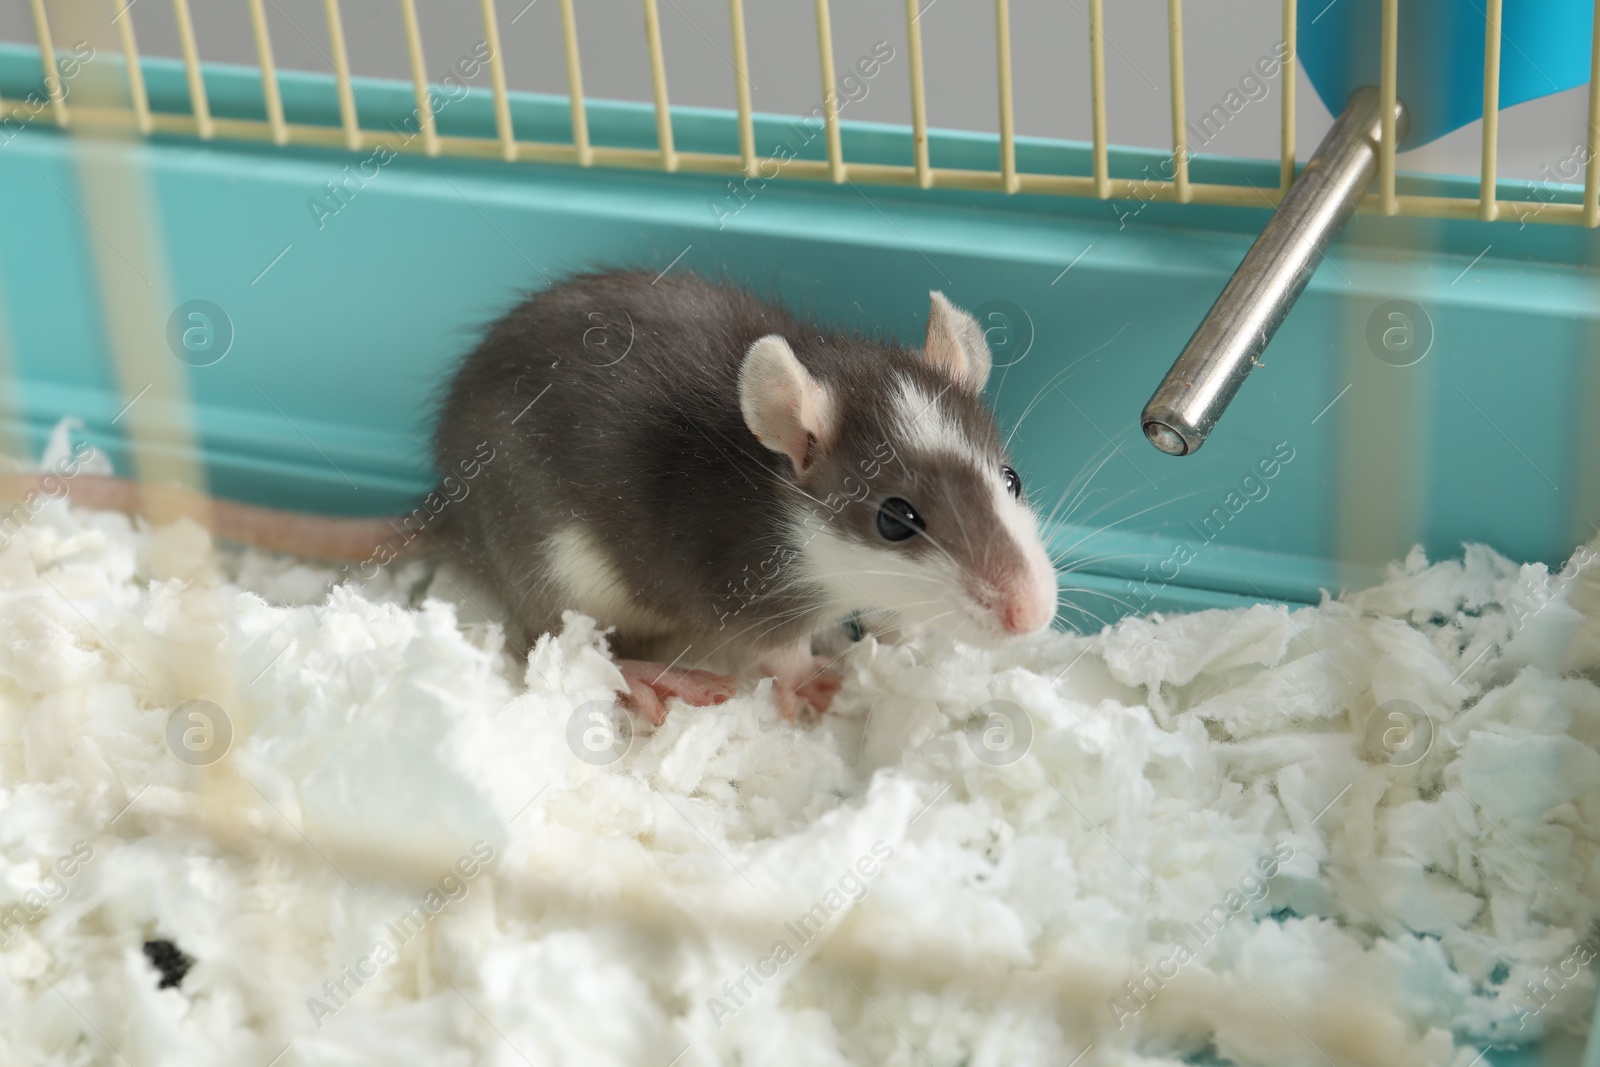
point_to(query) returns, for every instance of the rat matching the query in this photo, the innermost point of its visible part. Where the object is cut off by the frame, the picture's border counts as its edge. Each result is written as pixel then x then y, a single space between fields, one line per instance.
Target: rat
pixel 707 475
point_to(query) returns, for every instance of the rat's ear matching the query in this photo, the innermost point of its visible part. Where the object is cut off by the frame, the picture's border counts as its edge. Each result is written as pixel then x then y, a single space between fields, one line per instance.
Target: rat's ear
pixel 787 409
pixel 955 344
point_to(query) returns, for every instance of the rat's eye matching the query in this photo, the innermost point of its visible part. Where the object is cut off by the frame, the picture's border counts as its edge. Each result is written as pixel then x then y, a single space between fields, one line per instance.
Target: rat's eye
pixel 898 520
pixel 1013 482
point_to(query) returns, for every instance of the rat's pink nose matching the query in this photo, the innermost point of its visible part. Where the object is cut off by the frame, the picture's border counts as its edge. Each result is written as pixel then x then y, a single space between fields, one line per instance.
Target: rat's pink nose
pixel 1024 611
pixel 1020 594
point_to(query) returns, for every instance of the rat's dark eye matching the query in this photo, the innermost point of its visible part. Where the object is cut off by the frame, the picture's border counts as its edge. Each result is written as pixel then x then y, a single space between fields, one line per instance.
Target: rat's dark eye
pixel 898 520
pixel 1013 482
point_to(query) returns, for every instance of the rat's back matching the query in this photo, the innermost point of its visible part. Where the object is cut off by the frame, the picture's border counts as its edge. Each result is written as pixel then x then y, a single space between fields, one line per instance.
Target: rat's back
pixel 624 481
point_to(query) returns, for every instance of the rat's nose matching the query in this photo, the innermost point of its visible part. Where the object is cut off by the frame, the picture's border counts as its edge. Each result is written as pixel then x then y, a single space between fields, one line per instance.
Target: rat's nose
pixel 1024 611
pixel 1020 596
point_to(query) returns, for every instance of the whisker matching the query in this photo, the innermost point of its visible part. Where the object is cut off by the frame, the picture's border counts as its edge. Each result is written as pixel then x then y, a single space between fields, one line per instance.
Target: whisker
pixel 1060 376
pixel 1094 592
pixel 1109 452
pixel 1127 518
pixel 908 574
pixel 1086 561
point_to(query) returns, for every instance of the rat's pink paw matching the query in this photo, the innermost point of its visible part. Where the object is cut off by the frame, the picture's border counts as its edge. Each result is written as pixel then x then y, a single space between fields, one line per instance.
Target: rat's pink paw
pixel 810 692
pixel 820 691
pixel 651 685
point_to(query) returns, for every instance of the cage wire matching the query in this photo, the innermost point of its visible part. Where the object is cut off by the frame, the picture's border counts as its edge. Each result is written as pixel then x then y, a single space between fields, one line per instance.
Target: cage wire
pixel 133 111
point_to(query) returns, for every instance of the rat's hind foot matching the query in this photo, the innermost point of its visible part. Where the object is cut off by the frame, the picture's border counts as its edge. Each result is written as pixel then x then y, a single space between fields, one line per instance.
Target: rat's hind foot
pixel 651 685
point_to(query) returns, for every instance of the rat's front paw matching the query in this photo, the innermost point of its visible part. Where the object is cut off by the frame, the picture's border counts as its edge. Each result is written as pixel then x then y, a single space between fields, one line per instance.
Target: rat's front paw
pixel 810 693
pixel 651 685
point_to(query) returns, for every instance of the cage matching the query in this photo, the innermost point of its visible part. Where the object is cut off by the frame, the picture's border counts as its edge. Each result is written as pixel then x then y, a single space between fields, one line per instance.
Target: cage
pixel 247 276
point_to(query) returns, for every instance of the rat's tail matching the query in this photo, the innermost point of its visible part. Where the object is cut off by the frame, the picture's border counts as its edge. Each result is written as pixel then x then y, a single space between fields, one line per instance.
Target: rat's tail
pixel 292 532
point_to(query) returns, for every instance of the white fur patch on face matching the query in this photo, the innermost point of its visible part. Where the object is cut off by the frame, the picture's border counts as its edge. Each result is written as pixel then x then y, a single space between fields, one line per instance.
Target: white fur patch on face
pixel 592 584
pixel 1022 525
pixel 926 591
pixel 925 426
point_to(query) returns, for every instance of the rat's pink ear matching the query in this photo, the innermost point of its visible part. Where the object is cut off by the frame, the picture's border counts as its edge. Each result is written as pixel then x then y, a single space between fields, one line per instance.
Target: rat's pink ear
pixel 955 344
pixel 787 409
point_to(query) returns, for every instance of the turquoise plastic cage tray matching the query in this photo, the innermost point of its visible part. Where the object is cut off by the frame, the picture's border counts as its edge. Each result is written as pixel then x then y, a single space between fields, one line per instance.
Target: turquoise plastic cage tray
pixel 343 324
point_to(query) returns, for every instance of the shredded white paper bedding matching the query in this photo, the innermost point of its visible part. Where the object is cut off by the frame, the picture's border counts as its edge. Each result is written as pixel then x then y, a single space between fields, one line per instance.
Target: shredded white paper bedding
pixel 1207 847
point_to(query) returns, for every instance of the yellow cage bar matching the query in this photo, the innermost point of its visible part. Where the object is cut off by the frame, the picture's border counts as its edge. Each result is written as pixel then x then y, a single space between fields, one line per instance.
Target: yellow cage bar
pixel 341 73
pixel 269 73
pixel 191 67
pixel 1487 208
pixel 1008 131
pixel 47 60
pixel 1180 142
pixel 580 116
pixel 1097 97
pixel 419 78
pixel 741 85
pixel 497 78
pixel 658 86
pixel 919 98
pixel 1387 79
pixel 1286 76
pixel 830 99
pixel 137 95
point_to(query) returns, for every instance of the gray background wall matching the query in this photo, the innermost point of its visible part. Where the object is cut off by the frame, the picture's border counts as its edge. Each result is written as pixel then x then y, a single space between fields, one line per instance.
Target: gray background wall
pixel 1049 48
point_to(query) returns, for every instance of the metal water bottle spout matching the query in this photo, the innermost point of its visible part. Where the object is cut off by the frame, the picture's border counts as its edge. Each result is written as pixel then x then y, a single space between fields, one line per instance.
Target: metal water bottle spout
pixel 1212 366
